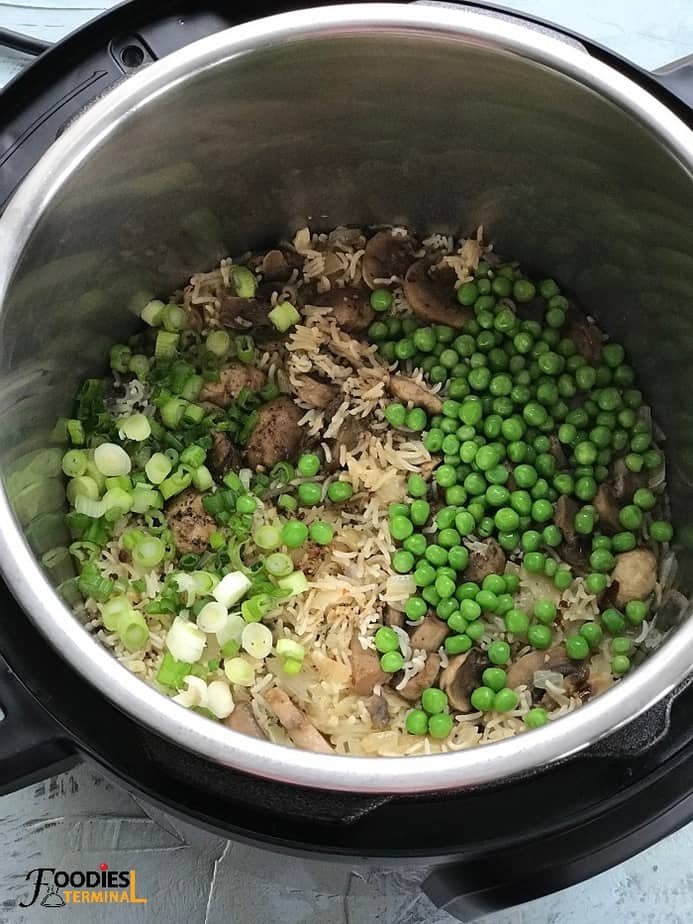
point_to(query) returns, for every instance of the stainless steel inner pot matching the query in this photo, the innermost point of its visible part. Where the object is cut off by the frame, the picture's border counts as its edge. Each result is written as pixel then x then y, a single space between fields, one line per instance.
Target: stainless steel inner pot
pixel 357 114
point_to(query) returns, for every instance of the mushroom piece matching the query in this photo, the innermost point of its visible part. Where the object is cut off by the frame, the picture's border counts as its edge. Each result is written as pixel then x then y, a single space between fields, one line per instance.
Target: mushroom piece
pixel 380 714
pixel 244 313
pixel 556 450
pixel 350 308
pixel 243 720
pixel 564 512
pixel 312 557
pixel 521 673
pixel 223 456
pixel 625 483
pixel 490 560
pixel 232 379
pixel 636 574
pixel 301 731
pixel 429 634
pixel 585 335
pixel 277 265
pixel 347 437
pixel 406 390
pixel 189 522
pixel 277 435
pixel 314 392
pixel 387 255
pixel 462 676
pixel 605 504
pixel 595 686
pixel 426 677
pixel 393 617
pixel 433 300
pixel 366 671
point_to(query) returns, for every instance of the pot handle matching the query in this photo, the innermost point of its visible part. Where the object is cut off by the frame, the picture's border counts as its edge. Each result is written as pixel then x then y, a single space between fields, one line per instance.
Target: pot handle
pixel 33 746
pixel 677 78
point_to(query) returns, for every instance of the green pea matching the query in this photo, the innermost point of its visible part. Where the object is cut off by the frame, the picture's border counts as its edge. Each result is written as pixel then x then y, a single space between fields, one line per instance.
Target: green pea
pixel 506 519
pixel 516 621
pixel 381 299
pixel 585 488
pixel 340 491
pixel 550 567
pixel 440 725
pixel 521 502
pixel 661 531
pixel 644 498
pixel 552 536
pixel 434 701
pixel 416 722
pixel 419 512
pixel 630 517
pixel 396 414
pixel 621 645
pixel 457 644
pixel 596 583
pixel 309 494
pixel 525 476
pixel 402 561
pixel 623 542
pixel 636 611
pixel 577 647
pixel 613 621
pixel 470 609
pixel 416 419
pixel 498 652
pixel 584 520
pixel 505 700
pixel 448 538
pixel 563 578
pixel 536 717
pixel 545 611
pixel 601 560
pixel 482 699
pixel 445 586
pixel 620 664
pixel 534 562
pixel 400 526
pixel 415 608
pixel 458 557
pixel 416 544
pixel 468 591
pixel 391 662
pixel 592 634
pixel 386 639
pixel 539 636
pixel 542 511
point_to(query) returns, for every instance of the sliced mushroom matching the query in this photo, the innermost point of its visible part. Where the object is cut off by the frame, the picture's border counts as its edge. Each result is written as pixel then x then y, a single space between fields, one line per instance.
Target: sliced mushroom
pixel 196 318
pixel 301 731
pixel 406 390
pixel 232 379
pixel 277 265
pixel 576 554
pixel 426 677
pixel 243 720
pixel 314 392
pixel 393 617
pixel 564 512
pixel 636 574
pixel 595 686
pixel 585 335
pixel 387 255
pixel 380 714
pixel 556 450
pixel 605 504
pixel 462 676
pixel 189 522
pixel 433 299
pixel 244 313
pixel 365 668
pixel 429 634
pixel 350 308
pixel 347 438
pixel 223 456
pixel 625 483
pixel 482 563
pixel 277 434
pixel 521 673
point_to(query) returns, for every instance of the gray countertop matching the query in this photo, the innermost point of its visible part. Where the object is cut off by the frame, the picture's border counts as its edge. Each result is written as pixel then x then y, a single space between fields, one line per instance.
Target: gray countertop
pixel 81 819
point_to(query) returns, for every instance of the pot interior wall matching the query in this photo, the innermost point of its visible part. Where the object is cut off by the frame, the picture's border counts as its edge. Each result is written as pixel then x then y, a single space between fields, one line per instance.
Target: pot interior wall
pixel 442 134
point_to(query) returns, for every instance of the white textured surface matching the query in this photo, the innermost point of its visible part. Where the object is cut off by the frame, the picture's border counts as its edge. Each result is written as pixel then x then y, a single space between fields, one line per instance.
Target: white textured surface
pixel 190 877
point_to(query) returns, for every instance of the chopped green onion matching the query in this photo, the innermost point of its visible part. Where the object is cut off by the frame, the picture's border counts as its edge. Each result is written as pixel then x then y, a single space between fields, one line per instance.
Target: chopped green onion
pixel 204 581
pixel 230 648
pixel 172 412
pixel 192 388
pixel 282 473
pixel 119 481
pixel 133 630
pixel 233 482
pixel 295 583
pixel 256 608
pixel 202 478
pixel 75 431
pixel 256 640
pixel 113 611
pixel 120 357
pixel 139 366
pixel 284 316
pixel 244 283
pixel 212 617
pixel 90 508
pixel 232 588
pixel 216 540
pixel 292 667
pixel 193 455
pixel 219 699
pixel 83 485
pixel 91 583
pixel 193 413
pixel 178 482
pixel 239 671
pixel 218 342
pixel 152 312
pixel 149 552
pixel 287 502
pixel 111 459
pixel 166 344
pixel 185 641
pixel 245 348
pixel 74 463
pixel 278 564
pixel 136 427
pixel 288 648
pixel 173 318
pixel 116 503
pixel 171 672
pixel 131 538
pixel 158 467
pixel 267 538
pixel 145 498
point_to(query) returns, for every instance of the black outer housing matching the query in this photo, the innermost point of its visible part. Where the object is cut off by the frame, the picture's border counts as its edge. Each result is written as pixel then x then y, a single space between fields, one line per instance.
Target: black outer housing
pixel 494 846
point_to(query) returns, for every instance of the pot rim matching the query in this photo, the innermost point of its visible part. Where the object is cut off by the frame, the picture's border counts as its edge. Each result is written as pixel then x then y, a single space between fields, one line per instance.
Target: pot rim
pixel 652 680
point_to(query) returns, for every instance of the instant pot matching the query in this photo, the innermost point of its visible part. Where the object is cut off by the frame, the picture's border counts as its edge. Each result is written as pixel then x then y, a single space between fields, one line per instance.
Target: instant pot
pixel 162 137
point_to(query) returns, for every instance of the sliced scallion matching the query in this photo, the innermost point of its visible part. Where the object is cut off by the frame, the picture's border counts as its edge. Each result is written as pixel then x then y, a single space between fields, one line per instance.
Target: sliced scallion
pixel 111 460
pixel 136 427
pixel 283 316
